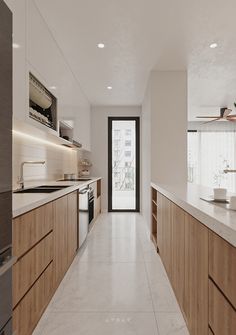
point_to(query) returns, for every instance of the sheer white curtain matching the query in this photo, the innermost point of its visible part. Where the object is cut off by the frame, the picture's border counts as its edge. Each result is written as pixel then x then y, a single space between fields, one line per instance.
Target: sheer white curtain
pixel 209 153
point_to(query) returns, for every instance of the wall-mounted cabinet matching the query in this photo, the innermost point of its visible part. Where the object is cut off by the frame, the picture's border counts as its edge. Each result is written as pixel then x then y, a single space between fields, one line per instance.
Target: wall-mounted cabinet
pixel 39 54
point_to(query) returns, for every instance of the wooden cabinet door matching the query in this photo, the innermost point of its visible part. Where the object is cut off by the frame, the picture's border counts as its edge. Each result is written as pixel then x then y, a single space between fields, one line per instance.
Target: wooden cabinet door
pixel 60 238
pixel 28 269
pixel 222 266
pixel 178 260
pixel 71 226
pixel 222 315
pixel 31 227
pixel 29 310
pixel 196 276
pixel 166 223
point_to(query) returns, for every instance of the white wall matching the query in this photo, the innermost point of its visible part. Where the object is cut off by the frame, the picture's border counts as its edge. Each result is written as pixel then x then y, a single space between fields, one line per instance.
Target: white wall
pixel 164 132
pixel 146 155
pixel 58 159
pixel 169 127
pixel 99 141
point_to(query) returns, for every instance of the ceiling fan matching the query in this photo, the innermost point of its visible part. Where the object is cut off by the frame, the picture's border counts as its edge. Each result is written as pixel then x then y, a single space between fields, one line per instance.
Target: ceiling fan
pixel 225 114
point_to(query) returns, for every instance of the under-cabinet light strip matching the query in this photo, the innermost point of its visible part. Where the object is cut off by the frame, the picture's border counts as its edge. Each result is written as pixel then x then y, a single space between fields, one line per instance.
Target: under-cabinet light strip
pixel 40 140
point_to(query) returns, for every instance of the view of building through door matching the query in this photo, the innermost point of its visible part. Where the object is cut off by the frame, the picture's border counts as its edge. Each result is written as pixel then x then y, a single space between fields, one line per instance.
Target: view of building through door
pixel 123 164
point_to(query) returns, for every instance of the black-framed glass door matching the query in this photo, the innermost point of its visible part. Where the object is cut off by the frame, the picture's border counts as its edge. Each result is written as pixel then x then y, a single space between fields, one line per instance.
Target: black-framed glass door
pixel 123 164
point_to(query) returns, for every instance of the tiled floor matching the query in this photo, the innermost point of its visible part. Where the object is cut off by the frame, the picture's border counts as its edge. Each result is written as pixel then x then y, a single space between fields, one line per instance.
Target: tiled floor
pixel 116 286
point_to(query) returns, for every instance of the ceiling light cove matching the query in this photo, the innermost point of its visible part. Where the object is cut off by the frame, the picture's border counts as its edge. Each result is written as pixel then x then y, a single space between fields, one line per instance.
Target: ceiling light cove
pixel 109 87
pixel 213 45
pixel 101 45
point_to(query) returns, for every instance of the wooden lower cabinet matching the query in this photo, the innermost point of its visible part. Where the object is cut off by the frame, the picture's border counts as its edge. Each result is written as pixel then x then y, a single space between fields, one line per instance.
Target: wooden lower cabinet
pixel 44 254
pixel 27 270
pixel 30 308
pixel 195 306
pixel 60 238
pixel 65 234
pixel 164 232
pixel 186 252
pixel 222 315
pixel 31 227
pixel 178 252
pixel 210 332
pixel 222 266
pixel 72 217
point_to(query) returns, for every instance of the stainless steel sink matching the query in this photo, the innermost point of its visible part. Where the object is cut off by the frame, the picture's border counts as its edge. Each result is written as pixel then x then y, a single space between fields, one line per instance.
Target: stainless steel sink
pixel 42 189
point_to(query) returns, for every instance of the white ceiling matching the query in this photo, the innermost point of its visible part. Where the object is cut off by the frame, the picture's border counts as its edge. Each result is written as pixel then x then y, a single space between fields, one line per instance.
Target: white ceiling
pixel 141 35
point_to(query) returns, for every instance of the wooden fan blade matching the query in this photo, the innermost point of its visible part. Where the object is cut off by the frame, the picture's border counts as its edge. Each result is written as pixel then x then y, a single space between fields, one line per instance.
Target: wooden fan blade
pixel 218 118
pixel 207 117
pixel 233 116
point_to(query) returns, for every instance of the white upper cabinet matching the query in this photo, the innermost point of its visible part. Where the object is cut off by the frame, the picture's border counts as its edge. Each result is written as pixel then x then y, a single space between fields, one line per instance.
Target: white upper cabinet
pixel 20 101
pixel 40 54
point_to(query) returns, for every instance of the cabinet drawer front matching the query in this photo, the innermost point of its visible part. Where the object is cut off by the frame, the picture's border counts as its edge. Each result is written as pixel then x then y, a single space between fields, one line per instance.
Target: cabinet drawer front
pixel 30 228
pixel 28 312
pixel 222 265
pixel 222 316
pixel 31 266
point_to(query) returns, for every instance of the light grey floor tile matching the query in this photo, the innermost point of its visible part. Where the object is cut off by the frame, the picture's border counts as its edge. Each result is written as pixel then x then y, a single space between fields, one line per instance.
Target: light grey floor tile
pixel 100 324
pixel 114 286
pixel 171 324
pixel 106 287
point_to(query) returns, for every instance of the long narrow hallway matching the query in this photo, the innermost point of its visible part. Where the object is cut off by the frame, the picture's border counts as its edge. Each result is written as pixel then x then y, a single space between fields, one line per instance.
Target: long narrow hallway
pixel 116 285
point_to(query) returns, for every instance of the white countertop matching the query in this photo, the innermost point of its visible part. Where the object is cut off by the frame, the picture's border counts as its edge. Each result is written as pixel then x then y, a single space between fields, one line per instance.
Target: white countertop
pixel 219 220
pixel 25 202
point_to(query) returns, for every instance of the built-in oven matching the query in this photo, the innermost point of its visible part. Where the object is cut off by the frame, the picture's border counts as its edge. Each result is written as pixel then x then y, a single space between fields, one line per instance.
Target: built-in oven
pixel 83 218
pixel 86 213
pixel 91 204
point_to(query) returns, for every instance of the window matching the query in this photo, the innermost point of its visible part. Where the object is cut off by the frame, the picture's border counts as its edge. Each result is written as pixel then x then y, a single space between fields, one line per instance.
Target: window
pixel 128 132
pixel 127 153
pixel 117 152
pixel 209 153
pixel 116 143
pixel 116 163
pixel 117 185
pixel 117 132
pixel 128 143
pixel 127 164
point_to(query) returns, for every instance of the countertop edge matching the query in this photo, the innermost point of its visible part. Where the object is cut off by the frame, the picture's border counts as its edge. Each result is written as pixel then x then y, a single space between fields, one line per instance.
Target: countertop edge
pixel 217 226
pixel 50 197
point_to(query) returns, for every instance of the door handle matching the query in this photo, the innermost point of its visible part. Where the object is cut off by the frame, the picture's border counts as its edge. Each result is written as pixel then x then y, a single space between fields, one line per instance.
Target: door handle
pixel 6 266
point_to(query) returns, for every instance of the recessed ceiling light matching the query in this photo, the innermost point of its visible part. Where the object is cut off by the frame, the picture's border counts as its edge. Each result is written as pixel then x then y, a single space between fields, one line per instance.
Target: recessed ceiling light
pixel 16 46
pixel 213 45
pixel 101 45
pixel 109 87
pixel 53 87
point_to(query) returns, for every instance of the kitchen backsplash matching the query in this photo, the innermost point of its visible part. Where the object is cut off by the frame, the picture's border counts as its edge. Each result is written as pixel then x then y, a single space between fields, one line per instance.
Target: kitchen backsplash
pixel 59 160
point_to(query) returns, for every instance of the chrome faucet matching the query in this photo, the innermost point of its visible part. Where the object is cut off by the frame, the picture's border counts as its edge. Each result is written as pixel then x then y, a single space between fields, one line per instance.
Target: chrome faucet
pixel 229 171
pixel 21 180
